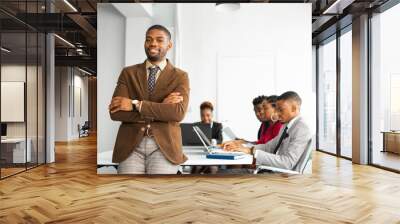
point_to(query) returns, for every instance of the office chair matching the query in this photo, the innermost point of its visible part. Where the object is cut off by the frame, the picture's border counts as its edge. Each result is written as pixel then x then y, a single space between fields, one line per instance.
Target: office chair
pixel 84 130
pixel 297 169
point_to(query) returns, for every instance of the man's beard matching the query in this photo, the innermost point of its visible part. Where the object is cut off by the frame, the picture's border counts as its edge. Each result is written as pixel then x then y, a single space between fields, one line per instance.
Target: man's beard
pixel 153 58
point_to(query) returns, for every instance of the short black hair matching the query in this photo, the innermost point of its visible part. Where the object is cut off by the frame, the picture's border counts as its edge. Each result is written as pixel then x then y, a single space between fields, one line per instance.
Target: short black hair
pixel 206 105
pixel 160 27
pixel 290 95
pixel 272 100
pixel 259 99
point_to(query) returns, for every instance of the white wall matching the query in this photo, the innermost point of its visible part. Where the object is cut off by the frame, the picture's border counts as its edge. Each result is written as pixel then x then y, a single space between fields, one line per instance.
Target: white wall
pixel 256 29
pixel 81 97
pixel 134 39
pixel 80 102
pixel 137 23
pixel 201 36
pixel 110 61
pixel 61 103
pixel 71 96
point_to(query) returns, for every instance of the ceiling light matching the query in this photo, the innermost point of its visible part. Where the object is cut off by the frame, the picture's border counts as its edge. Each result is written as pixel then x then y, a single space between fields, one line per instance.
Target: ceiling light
pixel 5 50
pixel 70 5
pixel 227 7
pixel 338 6
pixel 84 71
pixel 65 41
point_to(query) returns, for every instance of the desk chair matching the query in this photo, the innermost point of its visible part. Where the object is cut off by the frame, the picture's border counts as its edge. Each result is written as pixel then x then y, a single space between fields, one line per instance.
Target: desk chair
pixel 297 169
pixel 84 130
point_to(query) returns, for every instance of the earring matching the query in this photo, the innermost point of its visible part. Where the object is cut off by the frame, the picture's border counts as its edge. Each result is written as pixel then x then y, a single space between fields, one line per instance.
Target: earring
pixel 274 118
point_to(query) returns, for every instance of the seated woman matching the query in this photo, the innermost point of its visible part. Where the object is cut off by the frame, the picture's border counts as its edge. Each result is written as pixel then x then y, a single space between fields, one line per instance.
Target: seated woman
pixel 206 115
pixel 258 106
pixel 274 126
pixel 267 131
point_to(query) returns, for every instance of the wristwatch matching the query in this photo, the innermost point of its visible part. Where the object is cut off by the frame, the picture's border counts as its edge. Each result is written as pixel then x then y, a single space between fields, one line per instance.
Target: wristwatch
pixel 135 104
pixel 252 150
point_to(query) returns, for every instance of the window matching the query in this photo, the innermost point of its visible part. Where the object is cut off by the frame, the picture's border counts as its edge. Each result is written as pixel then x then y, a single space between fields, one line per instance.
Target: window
pixel 346 94
pixel 327 96
pixel 385 89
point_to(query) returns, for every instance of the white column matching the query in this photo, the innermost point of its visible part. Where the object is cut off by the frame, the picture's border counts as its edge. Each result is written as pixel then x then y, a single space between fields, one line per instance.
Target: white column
pixel 50 99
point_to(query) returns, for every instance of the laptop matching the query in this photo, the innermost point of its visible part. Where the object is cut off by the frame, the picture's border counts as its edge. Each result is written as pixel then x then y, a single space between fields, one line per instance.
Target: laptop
pixel 212 149
pixel 189 137
pixel 229 133
pixel 3 131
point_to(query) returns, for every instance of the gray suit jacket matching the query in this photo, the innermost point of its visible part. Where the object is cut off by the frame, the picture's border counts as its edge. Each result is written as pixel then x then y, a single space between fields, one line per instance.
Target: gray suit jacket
pixel 290 149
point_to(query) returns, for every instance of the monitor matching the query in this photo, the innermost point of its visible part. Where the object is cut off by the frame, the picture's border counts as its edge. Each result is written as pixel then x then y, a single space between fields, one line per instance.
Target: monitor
pixel 3 129
pixel 189 137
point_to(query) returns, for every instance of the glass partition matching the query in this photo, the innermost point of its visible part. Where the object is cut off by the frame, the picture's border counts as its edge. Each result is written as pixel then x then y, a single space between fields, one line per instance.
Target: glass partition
pixel 22 89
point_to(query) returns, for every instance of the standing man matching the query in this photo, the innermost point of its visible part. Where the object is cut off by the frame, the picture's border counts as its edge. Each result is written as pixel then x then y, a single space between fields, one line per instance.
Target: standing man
pixel 150 99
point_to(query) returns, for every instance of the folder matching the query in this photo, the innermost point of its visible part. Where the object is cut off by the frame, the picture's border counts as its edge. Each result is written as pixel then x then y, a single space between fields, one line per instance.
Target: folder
pixel 230 156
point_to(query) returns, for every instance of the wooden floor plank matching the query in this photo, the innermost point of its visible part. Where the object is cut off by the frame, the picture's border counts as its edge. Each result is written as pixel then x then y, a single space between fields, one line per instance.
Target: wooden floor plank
pixel 70 191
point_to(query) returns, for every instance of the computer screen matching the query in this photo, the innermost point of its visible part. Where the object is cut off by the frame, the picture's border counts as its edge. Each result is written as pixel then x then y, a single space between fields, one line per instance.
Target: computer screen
pixel 3 129
pixel 189 137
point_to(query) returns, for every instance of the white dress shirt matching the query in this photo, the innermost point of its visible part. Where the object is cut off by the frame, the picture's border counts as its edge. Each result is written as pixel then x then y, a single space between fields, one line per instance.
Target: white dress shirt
pixel 161 65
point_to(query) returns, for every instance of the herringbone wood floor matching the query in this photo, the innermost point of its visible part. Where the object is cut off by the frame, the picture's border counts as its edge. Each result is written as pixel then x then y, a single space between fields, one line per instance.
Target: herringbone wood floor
pixel 70 191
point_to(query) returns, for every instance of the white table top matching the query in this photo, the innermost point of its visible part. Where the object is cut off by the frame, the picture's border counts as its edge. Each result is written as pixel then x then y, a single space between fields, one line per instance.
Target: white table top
pixel 196 156
pixel 13 140
pixel 105 158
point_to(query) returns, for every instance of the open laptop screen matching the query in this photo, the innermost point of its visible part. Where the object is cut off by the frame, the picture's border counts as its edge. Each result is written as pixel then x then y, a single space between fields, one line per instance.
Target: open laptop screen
pixel 189 137
pixel 3 129
pixel 203 136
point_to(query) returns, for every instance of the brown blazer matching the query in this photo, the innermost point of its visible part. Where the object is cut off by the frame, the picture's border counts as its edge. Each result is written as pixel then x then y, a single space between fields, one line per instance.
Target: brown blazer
pixel 163 118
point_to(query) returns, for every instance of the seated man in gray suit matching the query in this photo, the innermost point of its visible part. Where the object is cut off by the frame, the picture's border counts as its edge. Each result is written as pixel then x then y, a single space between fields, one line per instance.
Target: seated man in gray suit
pixel 285 150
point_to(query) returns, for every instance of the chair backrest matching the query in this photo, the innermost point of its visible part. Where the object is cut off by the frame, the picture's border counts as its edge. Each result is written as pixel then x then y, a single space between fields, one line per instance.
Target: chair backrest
pixel 86 125
pixel 304 158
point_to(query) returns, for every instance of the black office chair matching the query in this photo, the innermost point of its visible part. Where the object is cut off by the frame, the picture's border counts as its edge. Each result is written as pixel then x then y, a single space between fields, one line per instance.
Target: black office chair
pixel 84 130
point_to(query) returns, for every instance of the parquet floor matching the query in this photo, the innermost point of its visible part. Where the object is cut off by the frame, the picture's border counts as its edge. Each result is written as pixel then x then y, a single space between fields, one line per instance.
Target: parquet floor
pixel 70 191
pixel 10 171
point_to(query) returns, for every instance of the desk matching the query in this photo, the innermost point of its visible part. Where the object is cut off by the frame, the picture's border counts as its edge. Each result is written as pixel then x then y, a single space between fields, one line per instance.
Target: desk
pixel 196 156
pixel 16 153
pixel 391 141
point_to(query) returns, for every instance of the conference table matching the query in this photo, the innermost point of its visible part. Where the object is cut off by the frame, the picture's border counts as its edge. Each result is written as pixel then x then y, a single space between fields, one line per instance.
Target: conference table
pixel 196 157
pixel 14 151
